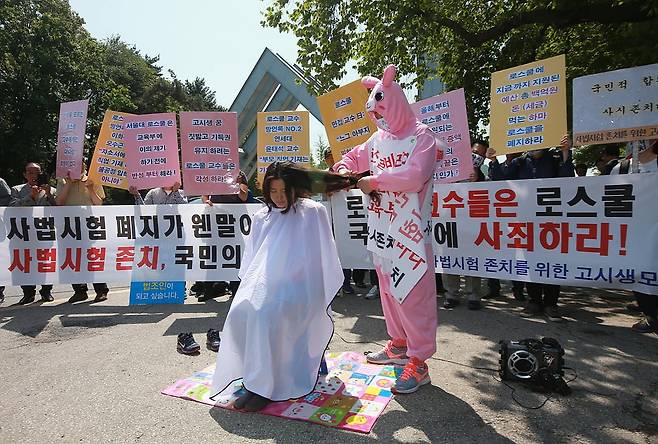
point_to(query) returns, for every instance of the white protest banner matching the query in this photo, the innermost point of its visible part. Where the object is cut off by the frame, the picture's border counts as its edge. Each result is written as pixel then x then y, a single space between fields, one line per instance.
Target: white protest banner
pixel 122 243
pixel 71 138
pixel 351 229
pixel 585 231
pixel 616 106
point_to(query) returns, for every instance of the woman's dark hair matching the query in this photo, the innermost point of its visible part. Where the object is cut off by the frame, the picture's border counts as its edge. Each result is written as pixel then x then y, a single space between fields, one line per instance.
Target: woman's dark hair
pixel 301 181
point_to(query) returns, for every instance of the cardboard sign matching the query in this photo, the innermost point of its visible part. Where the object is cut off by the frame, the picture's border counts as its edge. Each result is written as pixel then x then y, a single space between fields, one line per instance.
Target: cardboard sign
pixel 445 114
pixel 209 148
pixel 71 138
pixel 616 106
pixel 345 119
pixel 282 136
pixel 151 150
pixel 529 106
pixel 108 165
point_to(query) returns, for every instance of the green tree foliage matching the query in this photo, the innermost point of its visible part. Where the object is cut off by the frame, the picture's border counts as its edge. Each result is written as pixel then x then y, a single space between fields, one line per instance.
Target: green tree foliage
pixel 317 154
pixel 590 154
pixel 47 57
pixel 466 39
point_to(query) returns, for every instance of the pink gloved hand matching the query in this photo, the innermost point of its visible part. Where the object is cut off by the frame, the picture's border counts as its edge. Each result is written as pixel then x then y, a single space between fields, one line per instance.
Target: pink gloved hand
pixel 367 184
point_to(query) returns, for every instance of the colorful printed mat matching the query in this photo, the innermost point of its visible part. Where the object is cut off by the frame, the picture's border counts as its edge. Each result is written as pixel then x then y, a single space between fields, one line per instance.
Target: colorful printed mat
pixel 350 397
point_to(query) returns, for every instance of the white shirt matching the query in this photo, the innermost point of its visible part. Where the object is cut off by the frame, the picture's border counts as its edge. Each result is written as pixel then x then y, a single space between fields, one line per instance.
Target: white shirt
pixel 649 167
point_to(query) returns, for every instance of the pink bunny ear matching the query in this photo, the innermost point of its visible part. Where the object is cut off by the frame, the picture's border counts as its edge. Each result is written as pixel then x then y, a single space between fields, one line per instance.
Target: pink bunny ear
pixel 369 81
pixel 389 75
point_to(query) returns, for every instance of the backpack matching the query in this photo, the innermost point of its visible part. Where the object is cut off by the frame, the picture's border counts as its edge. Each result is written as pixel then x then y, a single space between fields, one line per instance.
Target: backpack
pixel 624 166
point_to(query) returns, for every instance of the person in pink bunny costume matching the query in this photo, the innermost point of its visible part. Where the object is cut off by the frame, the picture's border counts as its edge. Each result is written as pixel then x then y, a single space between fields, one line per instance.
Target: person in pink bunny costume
pixel 400 157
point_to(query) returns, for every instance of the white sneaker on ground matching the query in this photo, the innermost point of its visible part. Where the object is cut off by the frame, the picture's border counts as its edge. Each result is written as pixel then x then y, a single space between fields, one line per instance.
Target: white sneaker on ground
pixel 373 293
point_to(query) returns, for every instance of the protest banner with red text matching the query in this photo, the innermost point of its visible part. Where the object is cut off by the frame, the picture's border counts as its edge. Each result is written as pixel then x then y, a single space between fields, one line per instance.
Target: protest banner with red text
pixel 585 231
pixel 122 243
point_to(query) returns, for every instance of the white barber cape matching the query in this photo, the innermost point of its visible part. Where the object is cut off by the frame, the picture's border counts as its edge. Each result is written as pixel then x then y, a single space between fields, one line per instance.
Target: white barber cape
pixel 279 324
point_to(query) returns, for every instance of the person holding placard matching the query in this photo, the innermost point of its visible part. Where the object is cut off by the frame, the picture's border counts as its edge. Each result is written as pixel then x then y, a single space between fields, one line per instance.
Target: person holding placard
pixel 211 290
pixel 498 174
pixel 36 192
pixel 82 192
pixel 539 164
pixel 160 196
pixel 646 161
pixel 610 157
pixel 647 303
pixel 472 284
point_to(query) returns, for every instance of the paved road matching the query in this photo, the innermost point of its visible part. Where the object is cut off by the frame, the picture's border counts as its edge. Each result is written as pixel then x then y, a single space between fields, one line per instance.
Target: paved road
pixel 92 373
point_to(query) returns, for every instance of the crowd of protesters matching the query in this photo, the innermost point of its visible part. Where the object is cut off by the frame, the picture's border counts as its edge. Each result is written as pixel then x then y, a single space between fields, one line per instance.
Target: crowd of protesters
pixel 537 164
pixel 542 299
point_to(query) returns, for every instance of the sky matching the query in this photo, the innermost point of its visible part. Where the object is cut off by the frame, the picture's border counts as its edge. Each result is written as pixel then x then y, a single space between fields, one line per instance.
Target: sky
pixel 220 41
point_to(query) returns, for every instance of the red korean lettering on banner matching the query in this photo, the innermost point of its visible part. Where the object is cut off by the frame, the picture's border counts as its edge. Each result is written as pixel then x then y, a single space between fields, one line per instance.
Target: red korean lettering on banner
pixel 46 260
pixel 505 198
pixel 125 258
pixel 553 235
pixel 493 238
pixel 522 235
pixel 478 203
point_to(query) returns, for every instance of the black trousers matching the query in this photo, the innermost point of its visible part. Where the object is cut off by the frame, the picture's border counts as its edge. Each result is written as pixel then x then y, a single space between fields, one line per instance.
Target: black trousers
pixel 494 285
pixel 233 286
pixel 358 275
pixel 438 281
pixel 648 303
pixel 32 289
pixel 374 279
pixel 543 294
pixel 98 288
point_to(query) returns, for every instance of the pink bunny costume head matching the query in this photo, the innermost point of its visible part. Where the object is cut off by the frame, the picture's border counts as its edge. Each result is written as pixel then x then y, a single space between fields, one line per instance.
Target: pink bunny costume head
pixel 387 105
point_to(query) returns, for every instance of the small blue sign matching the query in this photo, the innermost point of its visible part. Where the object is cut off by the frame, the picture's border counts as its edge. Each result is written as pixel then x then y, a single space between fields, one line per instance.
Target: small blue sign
pixel 157 292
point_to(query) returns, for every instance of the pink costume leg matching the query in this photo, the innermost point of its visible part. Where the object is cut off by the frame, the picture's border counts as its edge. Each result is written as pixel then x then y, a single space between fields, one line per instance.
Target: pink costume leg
pixel 393 322
pixel 415 319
